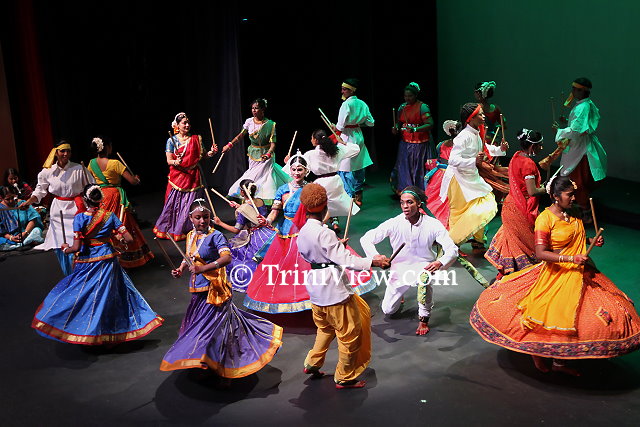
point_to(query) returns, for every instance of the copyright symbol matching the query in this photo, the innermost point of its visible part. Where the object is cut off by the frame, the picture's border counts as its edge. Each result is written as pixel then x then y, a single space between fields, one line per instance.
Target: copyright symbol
pixel 241 274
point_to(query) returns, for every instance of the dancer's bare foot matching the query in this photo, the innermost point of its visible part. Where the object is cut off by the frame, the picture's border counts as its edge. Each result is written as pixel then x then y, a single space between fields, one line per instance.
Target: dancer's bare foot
pixel 423 326
pixel 540 364
pixel 561 367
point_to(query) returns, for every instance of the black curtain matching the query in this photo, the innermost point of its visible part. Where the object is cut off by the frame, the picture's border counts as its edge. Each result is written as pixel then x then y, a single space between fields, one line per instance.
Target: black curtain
pixel 124 69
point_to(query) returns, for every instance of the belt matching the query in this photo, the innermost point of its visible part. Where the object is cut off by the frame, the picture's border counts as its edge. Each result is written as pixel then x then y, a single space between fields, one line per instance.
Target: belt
pixel 66 199
pixel 351 126
pixel 326 175
pixel 320 265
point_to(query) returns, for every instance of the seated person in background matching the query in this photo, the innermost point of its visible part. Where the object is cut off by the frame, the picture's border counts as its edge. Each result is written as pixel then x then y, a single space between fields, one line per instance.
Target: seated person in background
pixel 18 227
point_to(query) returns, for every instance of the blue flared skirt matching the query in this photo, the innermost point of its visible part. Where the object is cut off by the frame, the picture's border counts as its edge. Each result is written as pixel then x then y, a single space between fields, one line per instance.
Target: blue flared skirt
pixel 96 304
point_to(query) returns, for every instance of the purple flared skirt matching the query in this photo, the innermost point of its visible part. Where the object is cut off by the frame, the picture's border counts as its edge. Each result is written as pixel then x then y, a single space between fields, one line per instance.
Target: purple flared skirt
pixel 231 342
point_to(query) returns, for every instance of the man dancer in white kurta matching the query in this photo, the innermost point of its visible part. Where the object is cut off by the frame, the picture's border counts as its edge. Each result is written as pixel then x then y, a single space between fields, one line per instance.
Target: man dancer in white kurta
pixel 418 232
pixel 584 160
pixel 471 201
pixel 354 113
pixel 337 310
pixel 65 180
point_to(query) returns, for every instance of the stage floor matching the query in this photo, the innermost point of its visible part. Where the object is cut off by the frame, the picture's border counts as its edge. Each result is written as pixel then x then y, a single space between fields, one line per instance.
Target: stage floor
pixel 449 377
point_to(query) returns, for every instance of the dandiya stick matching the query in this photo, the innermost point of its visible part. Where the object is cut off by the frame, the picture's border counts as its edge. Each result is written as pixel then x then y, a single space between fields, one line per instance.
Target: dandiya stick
pixel 218 163
pixel 206 191
pixel 346 228
pixel 121 216
pixel 124 163
pixel 187 260
pixel 495 135
pixel 213 138
pixel 246 191
pixel 553 109
pixel 324 116
pixel 172 139
pixel 593 242
pixel 292 141
pixel 86 173
pixel 166 255
pixel 64 235
pixel 394 118
pixel 395 254
pixel 221 196
pixel 593 215
pixel 502 126
pixel 333 131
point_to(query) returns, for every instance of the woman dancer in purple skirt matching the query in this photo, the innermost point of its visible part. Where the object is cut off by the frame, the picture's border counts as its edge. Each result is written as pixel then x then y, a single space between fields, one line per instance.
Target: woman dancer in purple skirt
pixel 215 334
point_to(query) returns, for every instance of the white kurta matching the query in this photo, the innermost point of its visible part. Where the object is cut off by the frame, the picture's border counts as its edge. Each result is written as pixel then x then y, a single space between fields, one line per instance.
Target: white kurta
pixel 63 182
pixel 418 250
pixel 353 114
pixel 320 164
pixel 583 122
pixel 327 286
pixel 462 164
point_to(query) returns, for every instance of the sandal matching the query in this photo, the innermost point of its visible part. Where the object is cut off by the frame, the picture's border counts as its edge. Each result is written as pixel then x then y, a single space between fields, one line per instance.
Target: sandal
pixel 350 384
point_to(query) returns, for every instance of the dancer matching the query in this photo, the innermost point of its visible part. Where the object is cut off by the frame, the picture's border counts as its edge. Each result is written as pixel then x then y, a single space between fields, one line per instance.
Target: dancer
pixel 263 170
pixel 183 152
pixel 418 232
pixel 324 161
pixel 585 161
pixel 18 227
pixel 97 303
pixel 353 114
pixel 512 247
pixel 108 174
pixel 278 284
pixel 433 178
pixel 215 334
pixel 563 307
pixel 337 310
pixel 483 92
pixel 414 123
pixel 252 233
pixel 471 202
pixel 65 180
pixel 490 169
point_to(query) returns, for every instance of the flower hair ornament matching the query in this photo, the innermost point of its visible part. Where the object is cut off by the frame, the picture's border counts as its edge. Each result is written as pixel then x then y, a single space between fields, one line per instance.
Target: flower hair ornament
pixel 99 143
pixel 201 206
pixel 415 85
pixel 485 87
pixel 89 190
pixel 527 133
pixel 179 117
pixel 449 126
pixel 295 161
pixel 548 186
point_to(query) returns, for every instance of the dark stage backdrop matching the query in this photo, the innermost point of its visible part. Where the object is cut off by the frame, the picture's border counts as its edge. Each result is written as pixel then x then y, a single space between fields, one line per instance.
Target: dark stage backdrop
pixel 125 69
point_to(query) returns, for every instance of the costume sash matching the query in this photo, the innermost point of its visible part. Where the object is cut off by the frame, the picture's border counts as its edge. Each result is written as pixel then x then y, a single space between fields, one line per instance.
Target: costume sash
pixel 186 176
pixel 95 170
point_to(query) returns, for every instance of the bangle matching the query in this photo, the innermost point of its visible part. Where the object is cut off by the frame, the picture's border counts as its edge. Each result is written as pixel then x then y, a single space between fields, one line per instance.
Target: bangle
pixel 560 259
pixel 229 145
pixel 215 263
pixel 571 259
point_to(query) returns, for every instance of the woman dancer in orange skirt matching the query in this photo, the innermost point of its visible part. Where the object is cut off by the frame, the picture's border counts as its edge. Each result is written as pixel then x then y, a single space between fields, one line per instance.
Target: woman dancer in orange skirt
pixel 512 247
pixel 108 174
pixel 562 308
